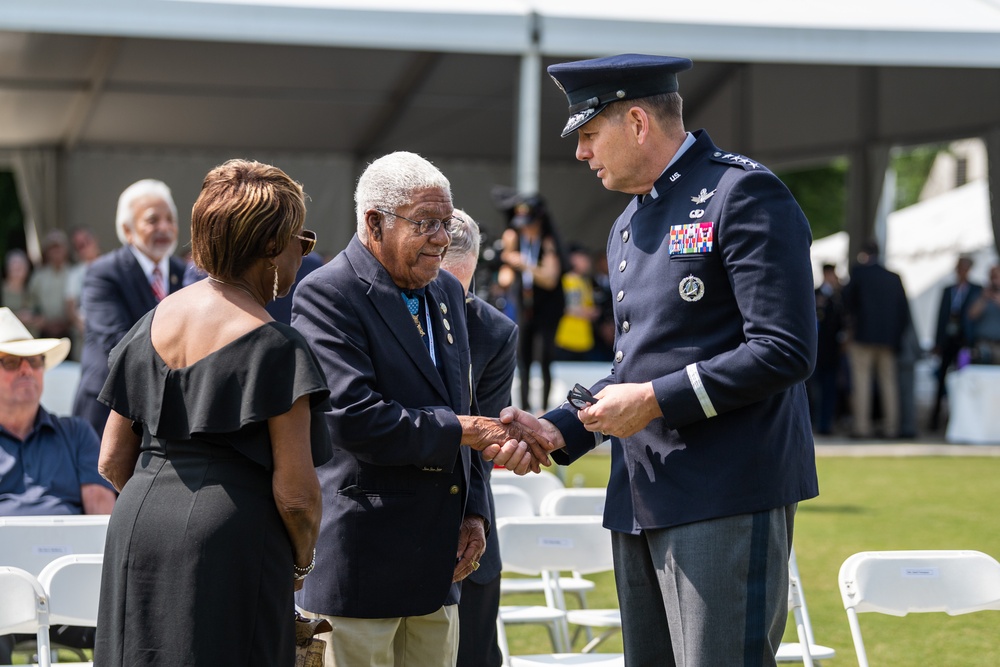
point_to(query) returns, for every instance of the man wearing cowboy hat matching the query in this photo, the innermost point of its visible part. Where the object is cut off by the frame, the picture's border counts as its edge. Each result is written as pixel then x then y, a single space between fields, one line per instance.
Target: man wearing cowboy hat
pixel 48 464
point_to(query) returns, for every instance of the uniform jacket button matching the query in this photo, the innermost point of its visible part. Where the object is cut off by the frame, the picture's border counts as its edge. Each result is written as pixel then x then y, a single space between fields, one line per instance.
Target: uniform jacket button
pixel 619 356
pixel 453 490
pixel 626 326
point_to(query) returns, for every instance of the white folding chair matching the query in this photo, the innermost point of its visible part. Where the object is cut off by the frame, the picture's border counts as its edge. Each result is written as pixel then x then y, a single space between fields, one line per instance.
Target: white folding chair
pixel 900 582
pixel 513 500
pixel 60 388
pixel 24 608
pixel 536 485
pixel 806 650
pixel 32 542
pixel 510 500
pixel 582 502
pixel 547 545
pixel 73 584
pixel 574 501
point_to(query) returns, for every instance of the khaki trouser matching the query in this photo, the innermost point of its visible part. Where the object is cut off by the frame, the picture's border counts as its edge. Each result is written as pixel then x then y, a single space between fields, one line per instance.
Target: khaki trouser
pixel 865 359
pixel 409 641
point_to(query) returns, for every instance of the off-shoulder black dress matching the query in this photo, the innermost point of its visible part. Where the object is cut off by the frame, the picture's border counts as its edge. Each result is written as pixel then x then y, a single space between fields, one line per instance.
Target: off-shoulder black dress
pixel 198 564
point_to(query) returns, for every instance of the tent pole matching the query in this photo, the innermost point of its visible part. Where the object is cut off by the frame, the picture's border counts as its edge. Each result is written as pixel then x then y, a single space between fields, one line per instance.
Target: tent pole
pixel 529 116
pixel 993 179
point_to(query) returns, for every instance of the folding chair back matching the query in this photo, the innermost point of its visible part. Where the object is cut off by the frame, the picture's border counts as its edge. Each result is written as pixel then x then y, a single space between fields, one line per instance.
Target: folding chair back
pixel 532 545
pixel 73 585
pixel 574 502
pixel 24 608
pixel 900 582
pixel 510 500
pixel 537 485
pixel 32 542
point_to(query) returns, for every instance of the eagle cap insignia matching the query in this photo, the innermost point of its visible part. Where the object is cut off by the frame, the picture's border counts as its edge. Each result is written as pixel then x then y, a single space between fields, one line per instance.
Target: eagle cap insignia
pixel 702 196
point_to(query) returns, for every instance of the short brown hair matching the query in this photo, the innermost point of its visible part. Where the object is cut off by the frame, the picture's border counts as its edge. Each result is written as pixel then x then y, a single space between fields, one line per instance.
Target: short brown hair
pixel 246 210
pixel 666 108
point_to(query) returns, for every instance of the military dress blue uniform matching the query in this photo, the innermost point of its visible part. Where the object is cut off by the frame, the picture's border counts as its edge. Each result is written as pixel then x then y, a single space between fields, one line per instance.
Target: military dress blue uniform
pixel 714 305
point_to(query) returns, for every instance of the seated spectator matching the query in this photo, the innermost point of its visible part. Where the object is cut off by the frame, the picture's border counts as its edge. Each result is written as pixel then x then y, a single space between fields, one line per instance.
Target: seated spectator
pixel 47 287
pixel 984 316
pixel 48 464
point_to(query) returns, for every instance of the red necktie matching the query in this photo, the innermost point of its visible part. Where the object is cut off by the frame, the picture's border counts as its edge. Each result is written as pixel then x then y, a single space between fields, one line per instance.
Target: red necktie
pixel 157 284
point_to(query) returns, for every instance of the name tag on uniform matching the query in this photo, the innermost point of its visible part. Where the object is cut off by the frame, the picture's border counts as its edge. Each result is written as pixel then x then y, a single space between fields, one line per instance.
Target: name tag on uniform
pixel 692 238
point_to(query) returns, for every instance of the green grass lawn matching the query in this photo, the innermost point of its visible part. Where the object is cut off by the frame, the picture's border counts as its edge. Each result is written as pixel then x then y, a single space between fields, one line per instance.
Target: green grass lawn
pixel 865 504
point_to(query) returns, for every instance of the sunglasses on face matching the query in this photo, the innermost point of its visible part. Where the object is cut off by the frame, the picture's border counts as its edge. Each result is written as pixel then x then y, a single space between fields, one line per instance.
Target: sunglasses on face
pixel 308 240
pixel 11 363
pixel 580 397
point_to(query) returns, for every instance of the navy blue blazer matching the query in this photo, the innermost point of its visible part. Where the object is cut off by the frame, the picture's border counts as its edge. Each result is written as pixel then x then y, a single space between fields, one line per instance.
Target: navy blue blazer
pixel 944 333
pixel 115 295
pixel 875 305
pixel 399 483
pixel 714 305
pixel 493 341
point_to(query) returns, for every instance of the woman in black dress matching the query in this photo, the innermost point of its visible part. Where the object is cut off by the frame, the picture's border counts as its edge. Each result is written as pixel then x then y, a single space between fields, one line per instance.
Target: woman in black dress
pixel 216 426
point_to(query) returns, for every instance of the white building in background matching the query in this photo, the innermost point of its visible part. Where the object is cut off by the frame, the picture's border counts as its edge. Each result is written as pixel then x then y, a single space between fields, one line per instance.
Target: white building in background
pixel 964 161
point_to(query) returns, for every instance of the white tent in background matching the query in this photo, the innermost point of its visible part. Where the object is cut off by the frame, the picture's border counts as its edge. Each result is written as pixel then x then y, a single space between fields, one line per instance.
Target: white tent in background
pixel 923 243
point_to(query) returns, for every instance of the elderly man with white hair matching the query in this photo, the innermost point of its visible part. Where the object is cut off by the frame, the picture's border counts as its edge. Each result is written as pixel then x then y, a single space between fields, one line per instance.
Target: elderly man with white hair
pixel 48 464
pixel 404 510
pixel 125 284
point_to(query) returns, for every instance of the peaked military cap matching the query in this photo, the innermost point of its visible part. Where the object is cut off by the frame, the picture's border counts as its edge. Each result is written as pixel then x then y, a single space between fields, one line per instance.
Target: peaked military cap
pixel 590 85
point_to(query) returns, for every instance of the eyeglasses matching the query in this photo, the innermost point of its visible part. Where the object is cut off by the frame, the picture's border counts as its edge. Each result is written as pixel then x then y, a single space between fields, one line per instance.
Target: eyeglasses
pixel 427 227
pixel 580 397
pixel 307 239
pixel 12 363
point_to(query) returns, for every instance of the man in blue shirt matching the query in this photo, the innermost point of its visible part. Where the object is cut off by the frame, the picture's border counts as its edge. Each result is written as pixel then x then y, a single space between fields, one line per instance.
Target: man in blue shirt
pixel 48 464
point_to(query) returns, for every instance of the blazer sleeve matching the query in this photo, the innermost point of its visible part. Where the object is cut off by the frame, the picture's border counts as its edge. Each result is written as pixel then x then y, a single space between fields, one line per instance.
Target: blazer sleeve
pixel 347 336
pixel 105 301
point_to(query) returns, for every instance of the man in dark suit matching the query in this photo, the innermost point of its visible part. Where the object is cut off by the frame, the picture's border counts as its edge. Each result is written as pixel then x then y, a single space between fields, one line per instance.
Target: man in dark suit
pixel 493 344
pixel 404 510
pixel 125 284
pixel 711 445
pixel 877 316
pixel 953 328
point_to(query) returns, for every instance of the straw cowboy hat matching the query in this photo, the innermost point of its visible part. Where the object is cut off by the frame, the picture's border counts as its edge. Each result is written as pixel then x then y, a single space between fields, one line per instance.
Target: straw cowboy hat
pixel 16 340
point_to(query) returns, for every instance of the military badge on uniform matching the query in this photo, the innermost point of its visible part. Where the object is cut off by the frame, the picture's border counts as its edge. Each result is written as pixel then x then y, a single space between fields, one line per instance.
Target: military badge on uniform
pixel 691 289
pixel 692 238
pixel 696 213
pixel 702 196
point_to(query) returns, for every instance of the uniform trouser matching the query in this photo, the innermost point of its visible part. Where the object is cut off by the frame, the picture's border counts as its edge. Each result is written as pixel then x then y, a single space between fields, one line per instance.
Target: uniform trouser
pixel 866 358
pixel 477 630
pixel 705 594
pixel 408 641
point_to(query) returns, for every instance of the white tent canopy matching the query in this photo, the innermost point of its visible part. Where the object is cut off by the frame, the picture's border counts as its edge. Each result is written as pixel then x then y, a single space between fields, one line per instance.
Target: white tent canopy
pixel 115 90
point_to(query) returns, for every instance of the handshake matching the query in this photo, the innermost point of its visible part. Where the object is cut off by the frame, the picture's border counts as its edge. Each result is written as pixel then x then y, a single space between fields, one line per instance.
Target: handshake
pixel 518 440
